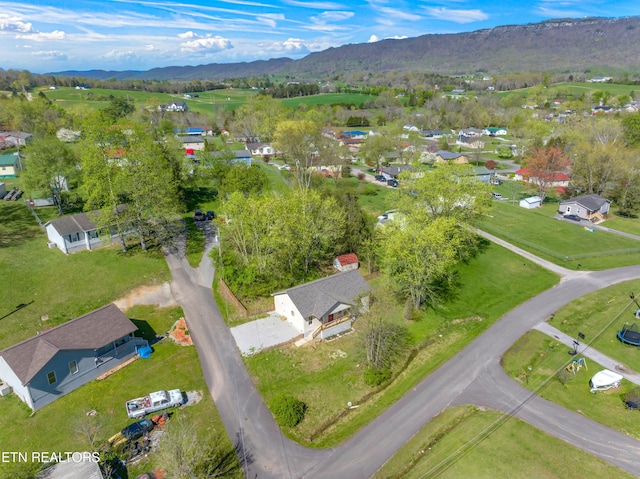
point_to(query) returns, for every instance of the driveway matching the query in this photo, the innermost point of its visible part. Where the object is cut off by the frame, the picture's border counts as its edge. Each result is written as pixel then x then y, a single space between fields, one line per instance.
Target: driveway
pixel 263 333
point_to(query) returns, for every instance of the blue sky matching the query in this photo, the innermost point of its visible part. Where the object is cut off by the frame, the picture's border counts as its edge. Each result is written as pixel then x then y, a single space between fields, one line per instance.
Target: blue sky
pixel 54 35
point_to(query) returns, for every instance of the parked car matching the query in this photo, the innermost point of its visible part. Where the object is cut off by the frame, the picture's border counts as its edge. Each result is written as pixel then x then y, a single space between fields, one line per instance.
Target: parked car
pixel 497 196
pixel 392 182
pixel 380 178
pixel 199 216
pixel 210 215
pixel 572 217
pixel 132 432
pixel 495 181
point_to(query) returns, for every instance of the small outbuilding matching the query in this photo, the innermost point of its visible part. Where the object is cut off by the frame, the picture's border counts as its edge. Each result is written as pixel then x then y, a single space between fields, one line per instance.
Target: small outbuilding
pixel 346 262
pixel 531 202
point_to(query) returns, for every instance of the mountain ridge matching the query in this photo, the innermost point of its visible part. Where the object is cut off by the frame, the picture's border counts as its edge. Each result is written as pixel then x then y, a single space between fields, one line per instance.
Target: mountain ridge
pixel 566 44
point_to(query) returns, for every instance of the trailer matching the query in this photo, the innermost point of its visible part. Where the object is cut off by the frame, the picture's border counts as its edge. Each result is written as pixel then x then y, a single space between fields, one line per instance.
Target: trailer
pixel 155 401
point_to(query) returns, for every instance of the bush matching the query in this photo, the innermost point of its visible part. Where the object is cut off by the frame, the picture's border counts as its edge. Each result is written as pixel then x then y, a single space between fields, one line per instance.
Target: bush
pixel 375 377
pixel 369 190
pixel 288 410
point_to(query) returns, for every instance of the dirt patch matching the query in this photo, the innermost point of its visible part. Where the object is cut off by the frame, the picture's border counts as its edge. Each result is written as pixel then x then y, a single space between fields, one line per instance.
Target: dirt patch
pixel 180 334
pixel 193 397
pixel 152 294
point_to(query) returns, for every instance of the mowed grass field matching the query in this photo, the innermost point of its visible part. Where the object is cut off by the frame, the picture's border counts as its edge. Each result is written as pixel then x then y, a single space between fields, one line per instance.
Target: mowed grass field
pixel 329 99
pixel 52 285
pixel 566 243
pixel 474 443
pixel 329 375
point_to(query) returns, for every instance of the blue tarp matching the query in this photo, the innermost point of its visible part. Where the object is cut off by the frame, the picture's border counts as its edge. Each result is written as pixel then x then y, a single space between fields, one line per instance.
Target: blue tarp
pixel 144 352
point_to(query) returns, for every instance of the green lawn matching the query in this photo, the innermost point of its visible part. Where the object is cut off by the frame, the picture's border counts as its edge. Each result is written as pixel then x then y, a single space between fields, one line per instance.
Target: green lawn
pixel 277 178
pixel 472 442
pixel 329 99
pixel 628 225
pixel 57 286
pixel 536 359
pixel 565 243
pixel 170 366
pixel 329 375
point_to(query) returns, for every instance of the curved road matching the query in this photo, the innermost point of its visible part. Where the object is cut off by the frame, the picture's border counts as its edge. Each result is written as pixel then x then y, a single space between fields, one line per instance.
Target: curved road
pixel 473 376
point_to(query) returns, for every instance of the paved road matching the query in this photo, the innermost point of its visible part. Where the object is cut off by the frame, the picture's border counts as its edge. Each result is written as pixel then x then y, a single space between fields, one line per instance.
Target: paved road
pixel 248 421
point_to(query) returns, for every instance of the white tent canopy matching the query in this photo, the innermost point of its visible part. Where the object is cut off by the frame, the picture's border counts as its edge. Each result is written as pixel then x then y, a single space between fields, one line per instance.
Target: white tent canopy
pixel 604 380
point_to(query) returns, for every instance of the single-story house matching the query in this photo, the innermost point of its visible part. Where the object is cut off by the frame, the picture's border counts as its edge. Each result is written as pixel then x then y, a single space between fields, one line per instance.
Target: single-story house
pixel 494 131
pixel 242 156
pixel 9 166
pixel 60 360
pixel 444 156
pixel 531 176
pixel 261 149
pixel 346 262
pixel 14 139
pixel 588 207
pixel 355 134
pixel 325 306
pixel 473 132
pixel 392 172
pixel 77 232
pixel 531 202
pixel 192 142
pixel 483 173
pixel 431 133
pixel 174 106
pixel 470 141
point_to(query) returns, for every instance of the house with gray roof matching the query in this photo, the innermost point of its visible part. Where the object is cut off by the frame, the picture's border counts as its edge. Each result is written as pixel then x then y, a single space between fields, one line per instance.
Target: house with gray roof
pixel 57 361
pixel 324 307
pixel 444 156
pixel 589 207
pixel 77 232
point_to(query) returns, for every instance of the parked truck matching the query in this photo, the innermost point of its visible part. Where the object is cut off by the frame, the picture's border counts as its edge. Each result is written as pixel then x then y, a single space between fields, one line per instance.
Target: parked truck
pixel 155 401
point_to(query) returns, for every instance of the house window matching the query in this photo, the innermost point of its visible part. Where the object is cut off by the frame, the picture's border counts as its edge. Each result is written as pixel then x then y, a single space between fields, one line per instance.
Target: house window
pixel 51 377
pixel 73 367
pixel 292 314
pixel 309 320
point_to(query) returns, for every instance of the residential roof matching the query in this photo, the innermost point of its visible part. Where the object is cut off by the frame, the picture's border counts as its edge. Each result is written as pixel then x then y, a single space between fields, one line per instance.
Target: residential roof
pixel 590 202
pixel 448 155
pixel 91 331
pixel 396 170
pixel 528 172
pixel 242 153
pixel 532 199
pixel 8 160
pixel 72 224
pixel 191 139
pixel 345 259
pixel 318 297
pixel 85 469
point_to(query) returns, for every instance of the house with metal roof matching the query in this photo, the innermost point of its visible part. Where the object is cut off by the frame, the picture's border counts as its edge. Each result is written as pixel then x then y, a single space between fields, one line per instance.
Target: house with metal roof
pixel 589 207
pixel 9 166
pixel 59 360
pixel 444 156
pixel 324 307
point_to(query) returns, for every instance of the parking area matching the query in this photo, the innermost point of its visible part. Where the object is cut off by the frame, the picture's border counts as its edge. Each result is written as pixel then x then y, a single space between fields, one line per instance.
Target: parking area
pixel 263 333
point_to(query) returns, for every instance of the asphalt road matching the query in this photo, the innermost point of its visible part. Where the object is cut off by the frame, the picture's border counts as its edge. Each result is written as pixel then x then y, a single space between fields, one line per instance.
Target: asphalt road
pixel 472 376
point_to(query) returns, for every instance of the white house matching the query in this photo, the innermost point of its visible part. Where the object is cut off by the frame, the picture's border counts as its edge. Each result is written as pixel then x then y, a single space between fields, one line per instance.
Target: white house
pixel 323 307
pixel 588 207
pixel 192 142
pixel 77 232
pixel 531 202
pixel 261 149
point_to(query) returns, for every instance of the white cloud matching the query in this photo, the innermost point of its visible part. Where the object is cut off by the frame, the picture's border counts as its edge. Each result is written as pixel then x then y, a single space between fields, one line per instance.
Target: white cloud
pixel 14 24
pixel 51 55
pixel 270 19
pixel 394 13
pixel 207 44
pixel 291 45
pixel 43 36
pixel 119 55
pixel 335 16
pixel 187 35
pixel 373 39
pixel 458 16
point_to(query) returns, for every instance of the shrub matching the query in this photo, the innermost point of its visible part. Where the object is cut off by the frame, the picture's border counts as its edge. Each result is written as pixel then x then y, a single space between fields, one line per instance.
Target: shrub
pixel 288 410
pixel 376 376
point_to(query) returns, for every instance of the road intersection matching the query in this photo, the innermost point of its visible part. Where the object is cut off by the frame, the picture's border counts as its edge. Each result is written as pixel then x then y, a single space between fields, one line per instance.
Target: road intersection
pixel 473 376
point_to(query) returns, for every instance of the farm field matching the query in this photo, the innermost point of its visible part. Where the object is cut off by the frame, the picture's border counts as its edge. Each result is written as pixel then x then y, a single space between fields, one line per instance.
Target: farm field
pixel 329 99
pixel 499 449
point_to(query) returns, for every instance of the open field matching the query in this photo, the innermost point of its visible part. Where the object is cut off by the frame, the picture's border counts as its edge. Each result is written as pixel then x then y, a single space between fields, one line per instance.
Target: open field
pixel 536 359
pixel 328 99
pixel 329 375
pixel 501 449
pixel 565 243
pixel 50 284
pixel 56 426
pixel 578 88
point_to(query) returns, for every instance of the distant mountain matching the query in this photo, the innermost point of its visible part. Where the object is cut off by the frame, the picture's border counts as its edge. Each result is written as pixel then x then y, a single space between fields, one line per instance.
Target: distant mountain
pixel 561 45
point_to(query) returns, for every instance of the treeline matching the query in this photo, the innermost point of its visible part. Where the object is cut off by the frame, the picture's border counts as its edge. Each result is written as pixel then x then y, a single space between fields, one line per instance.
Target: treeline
pixel 292 90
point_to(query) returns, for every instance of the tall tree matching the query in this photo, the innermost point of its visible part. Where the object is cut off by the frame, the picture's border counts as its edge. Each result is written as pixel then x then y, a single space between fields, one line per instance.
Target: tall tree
pixel 298 141
pixel 545 164
pixel 48 167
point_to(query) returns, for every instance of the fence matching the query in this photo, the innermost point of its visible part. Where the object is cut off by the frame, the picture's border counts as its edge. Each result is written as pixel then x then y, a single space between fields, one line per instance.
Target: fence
pixel 228 295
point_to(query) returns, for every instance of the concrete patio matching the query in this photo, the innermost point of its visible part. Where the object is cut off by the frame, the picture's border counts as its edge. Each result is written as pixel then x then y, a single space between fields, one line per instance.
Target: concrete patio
pixel 263 333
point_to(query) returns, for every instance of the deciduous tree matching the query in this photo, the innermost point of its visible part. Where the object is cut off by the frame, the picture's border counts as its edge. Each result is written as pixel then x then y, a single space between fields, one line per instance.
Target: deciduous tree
pixel 545 164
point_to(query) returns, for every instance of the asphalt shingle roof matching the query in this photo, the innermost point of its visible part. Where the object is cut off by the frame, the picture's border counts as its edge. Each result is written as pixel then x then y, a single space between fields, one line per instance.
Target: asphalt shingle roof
pixel 91 331
pixel 590 202
pixel 320 296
